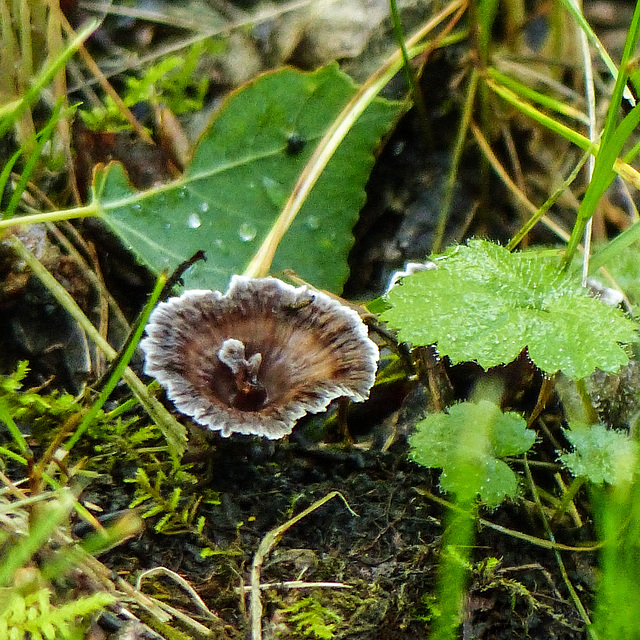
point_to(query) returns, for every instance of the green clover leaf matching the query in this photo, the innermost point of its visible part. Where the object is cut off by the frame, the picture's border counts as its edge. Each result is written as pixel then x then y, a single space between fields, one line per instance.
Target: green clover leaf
pixel 485 304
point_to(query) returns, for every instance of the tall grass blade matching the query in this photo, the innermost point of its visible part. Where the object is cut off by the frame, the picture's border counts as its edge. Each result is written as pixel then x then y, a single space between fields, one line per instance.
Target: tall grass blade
pixel 612 140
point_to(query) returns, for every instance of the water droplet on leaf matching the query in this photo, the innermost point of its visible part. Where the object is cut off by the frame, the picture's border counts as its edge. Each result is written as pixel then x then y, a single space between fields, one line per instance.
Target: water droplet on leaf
pixel 247 232
pixel 312 223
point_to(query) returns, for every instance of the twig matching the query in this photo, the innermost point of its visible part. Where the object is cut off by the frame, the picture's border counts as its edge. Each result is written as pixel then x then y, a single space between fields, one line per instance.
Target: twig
pixel 197 600
pixel 296 584
pixel 538 542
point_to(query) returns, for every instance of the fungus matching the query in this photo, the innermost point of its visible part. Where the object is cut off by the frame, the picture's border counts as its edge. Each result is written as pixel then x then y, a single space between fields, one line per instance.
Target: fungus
pixel 258 358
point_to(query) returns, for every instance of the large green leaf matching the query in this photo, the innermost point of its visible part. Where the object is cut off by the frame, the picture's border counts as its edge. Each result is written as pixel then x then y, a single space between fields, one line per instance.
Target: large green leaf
pixel 486 304
pixel 243 171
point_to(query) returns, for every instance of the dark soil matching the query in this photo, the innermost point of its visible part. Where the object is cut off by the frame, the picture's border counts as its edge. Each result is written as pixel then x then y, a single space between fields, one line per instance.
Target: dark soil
pixel 387 554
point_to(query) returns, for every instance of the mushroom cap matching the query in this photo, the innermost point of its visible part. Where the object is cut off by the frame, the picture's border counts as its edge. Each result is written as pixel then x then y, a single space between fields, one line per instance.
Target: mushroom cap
pixel 258 358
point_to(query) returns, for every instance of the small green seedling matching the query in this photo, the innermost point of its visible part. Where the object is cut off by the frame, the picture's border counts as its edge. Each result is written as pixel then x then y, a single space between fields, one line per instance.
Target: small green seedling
pixel 467 444
pixel 601 455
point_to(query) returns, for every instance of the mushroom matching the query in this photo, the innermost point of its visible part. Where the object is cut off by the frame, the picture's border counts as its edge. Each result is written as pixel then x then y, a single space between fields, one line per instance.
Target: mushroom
pixel 258 358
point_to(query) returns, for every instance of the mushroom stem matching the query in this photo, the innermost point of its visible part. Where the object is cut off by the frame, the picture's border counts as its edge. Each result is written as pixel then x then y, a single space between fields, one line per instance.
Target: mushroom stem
pixel 250 394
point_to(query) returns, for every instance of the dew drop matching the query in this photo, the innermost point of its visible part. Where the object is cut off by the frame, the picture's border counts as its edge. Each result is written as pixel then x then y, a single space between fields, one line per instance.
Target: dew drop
pixel 137 207
pixel 204 207
pixel 194 221
pixel 247 232
pixel 312 223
